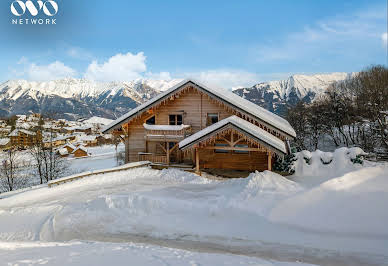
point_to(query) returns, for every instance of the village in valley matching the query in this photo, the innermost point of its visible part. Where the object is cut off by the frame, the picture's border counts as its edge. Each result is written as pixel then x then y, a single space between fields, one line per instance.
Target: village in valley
pixel 66 137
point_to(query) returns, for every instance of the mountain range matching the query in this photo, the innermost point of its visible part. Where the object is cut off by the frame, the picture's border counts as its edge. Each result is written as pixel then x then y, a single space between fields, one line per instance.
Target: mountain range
pixel 277 96
pixel 79 98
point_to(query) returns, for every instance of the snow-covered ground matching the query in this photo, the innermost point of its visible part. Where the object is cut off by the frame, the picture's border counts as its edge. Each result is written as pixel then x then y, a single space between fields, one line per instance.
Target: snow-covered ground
pixel 339 218
pixel 99 253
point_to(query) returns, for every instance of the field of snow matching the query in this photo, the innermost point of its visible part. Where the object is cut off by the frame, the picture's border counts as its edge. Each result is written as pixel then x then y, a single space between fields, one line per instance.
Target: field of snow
pixel 92 253
pixel 339 218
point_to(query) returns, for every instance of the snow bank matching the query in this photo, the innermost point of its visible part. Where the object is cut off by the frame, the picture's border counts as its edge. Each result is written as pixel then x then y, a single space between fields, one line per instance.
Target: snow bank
pixel 351 204
pixel 313 168
pixel 261 191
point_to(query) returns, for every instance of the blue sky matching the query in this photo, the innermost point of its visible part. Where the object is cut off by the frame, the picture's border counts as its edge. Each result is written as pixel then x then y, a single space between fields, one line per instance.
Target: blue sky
pixel 228 43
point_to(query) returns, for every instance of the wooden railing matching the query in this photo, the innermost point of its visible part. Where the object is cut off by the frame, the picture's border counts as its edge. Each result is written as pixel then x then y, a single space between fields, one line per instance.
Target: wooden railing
pixel 168 134
pixel 153 158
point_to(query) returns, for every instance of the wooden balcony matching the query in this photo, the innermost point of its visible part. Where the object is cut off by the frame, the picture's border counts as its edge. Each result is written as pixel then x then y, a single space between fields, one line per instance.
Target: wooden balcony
pixel 166 133
pixel 154 158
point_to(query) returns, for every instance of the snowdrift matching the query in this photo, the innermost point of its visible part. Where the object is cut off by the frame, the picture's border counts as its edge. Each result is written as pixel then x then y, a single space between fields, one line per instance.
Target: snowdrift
pixel 351 204
pixel 336 206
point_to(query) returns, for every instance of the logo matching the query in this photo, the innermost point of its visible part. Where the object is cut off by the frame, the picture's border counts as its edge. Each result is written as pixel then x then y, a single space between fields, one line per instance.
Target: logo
pixel 47 8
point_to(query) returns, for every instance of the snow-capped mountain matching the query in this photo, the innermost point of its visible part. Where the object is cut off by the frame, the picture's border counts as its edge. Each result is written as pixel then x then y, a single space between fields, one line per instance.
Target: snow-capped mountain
pixel 73 98
pixel 80 98
pixel 276 96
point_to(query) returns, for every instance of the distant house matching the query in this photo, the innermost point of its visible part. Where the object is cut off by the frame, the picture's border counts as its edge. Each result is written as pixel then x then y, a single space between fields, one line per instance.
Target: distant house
pixel 80 151
pixel 80 129
pixel 104 139
pixel 209 128
pixel 5 144
pixel 69 147
pixel 24 138
pixel 58 141
pixel 87 140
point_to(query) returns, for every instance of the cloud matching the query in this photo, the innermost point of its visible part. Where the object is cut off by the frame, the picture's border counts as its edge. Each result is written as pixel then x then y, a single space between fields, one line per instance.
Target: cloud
pixel 342 35
pixel 384 37
pixel 32 71
pixel 55 70
pixel 120 67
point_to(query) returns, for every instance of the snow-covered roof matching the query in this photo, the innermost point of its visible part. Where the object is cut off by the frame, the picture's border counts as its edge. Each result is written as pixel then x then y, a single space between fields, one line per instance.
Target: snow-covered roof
pixel 86 138
pixel 15 133
pixel 71 146
pixel 4 141
pixel 63 151
pixel 165 127
pixel 81 148
pixel 227 96
pixel 253 130
pixel 98 120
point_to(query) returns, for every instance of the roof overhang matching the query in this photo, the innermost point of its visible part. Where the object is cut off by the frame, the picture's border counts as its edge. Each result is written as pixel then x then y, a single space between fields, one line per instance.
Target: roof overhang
pixel 238 124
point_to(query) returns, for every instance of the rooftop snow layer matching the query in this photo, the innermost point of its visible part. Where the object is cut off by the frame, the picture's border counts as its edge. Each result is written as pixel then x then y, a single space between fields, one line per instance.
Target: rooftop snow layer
pixel 242 124
pixel 16 131
pixel 245 105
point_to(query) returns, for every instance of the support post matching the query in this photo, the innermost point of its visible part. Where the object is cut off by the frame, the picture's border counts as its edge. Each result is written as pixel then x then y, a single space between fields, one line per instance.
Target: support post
pixel 197 161
pixel 168 152
pixel 269 161
pixel 126 149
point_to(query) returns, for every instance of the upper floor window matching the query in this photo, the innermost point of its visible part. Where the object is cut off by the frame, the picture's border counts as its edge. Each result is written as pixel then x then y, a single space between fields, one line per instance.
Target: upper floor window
pixel 212 118
pixel 175 120
pixel 150 121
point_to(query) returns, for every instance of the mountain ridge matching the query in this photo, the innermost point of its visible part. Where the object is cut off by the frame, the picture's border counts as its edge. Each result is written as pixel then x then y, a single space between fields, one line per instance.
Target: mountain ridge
pixel 72 98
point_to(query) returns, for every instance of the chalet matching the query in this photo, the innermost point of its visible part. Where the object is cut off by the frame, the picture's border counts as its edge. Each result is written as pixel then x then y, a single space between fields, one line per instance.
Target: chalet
pixel 24 138
pixel 5 144
pixel 206 127
pixel 69 147
pixel 80 151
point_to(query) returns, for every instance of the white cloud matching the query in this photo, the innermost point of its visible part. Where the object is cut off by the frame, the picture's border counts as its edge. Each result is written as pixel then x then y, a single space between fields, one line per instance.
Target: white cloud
pixel 160 75
pixel 229 79
pixel 32 71
pixel 120 67
pixel 384 37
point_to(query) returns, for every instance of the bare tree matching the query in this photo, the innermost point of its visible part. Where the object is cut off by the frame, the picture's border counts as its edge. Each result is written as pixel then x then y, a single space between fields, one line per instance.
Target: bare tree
pixel 11 177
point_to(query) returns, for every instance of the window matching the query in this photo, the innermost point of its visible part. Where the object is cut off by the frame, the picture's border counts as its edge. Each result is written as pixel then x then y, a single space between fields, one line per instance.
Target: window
pixel 241 146
pixel 211 119
pixel 175 120
pixel 150 121
pixel 221 150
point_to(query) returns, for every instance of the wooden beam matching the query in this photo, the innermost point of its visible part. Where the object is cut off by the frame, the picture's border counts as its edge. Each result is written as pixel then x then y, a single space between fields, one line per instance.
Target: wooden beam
pixel 269 161
pixel 173 148
pixel 197 161
pixel 164 149
pixel 168 152
pixel 233 148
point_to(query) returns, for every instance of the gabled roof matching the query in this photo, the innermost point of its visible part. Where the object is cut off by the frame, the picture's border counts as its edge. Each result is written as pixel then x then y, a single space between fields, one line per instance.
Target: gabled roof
pixel 224 95
pixel 82 148
pixel 15 133
pixel 248 128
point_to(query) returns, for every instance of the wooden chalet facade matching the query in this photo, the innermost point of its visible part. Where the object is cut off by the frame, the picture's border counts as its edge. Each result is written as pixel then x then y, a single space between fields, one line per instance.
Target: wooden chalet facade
pixel 24 138
pixel 193 124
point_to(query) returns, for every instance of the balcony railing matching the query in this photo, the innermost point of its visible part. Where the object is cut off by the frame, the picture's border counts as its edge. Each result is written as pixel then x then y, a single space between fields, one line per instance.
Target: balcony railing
pixel 167 132
pixel 154 158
